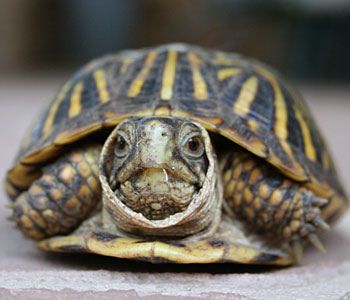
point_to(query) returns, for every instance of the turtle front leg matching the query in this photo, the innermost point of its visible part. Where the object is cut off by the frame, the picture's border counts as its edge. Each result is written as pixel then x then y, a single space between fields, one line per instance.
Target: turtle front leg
pixel 271 203
pixel 62 197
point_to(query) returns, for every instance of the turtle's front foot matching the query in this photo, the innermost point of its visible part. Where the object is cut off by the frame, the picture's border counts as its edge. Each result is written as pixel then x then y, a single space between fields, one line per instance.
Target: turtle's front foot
pixel 272 204
pixel 304 221
pixel 65 194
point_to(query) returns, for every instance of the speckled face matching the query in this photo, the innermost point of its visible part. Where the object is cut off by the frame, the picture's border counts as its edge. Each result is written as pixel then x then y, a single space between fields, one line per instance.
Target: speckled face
pixel 159 165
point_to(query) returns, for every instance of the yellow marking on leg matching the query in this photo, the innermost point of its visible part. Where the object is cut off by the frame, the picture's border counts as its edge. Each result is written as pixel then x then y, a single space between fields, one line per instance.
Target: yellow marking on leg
pixel 248 195
pixel 309 147
pixel 75 100
pixel 246 96
pixel 264 191
pixel 276 197
pixel 136 86
pixel 227 176
pixel 257 203
pixel 230 187
pixel 295 225
pixel 169 76
pixel 56 194
pixel 255 175
pixel 237 199
pixel 72 204
pixel 199 85
pixel 54 108
pixel 228 72
pixel 101 84
pixel 67 174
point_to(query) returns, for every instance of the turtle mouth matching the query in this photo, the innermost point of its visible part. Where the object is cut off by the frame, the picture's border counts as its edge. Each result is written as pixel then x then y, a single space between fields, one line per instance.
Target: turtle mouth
pixel 156 193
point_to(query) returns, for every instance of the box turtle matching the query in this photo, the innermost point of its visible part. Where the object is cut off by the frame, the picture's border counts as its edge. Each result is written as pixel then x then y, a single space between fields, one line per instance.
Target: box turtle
pixel 176 154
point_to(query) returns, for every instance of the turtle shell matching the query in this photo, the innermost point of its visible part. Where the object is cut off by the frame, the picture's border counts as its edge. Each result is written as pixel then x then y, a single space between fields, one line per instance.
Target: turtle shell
pixel 229 94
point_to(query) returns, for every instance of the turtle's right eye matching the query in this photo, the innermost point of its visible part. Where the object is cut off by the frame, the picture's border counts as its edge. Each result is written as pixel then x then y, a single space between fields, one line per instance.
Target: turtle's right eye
pixel 121 146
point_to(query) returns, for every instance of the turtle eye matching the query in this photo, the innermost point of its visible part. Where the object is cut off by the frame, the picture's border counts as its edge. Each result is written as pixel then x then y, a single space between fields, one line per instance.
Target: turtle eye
pixel 194 147
pixel 121 146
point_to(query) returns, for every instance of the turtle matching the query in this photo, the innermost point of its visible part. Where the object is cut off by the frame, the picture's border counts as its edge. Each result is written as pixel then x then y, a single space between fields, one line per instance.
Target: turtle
pixel 176 154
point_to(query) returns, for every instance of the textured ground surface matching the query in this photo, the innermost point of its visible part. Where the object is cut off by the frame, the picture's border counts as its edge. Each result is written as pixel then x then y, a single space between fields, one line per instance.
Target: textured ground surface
pixel 26 273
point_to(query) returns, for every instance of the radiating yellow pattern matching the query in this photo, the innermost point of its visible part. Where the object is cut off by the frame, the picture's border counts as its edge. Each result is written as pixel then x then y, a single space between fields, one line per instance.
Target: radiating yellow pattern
pixel 169 76
pixel 125 63
pixel 136 86
pixel 246 96
pixel 75 100
pixel 309 147
pixel 281 114
pixel 54 108
pixel 199 85
pixel 101 84
pixel 228 72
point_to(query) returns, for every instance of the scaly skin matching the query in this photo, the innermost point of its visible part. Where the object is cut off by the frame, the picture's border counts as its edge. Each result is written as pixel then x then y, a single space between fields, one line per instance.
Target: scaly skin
pixel 65 195
pixel 271 203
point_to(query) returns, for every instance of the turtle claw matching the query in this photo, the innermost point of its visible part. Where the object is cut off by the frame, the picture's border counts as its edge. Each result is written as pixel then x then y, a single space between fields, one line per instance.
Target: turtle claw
pixel 297 249
pixel 314 240
pixel 319 222
pixel 317 201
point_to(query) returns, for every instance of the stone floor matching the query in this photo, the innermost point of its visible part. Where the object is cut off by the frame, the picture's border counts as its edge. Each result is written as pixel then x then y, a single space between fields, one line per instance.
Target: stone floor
pixel 27 273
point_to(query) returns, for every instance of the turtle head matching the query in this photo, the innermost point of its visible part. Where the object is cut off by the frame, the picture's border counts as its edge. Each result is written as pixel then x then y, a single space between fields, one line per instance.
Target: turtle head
pixel 156 173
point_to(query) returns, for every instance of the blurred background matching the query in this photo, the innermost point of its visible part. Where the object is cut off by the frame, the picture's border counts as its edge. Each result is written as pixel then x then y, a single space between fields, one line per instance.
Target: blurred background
pixel 308 40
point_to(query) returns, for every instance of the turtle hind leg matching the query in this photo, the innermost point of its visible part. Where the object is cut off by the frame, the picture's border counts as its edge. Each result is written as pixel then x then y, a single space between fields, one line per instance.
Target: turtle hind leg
pixel 271 203
pixel 62 197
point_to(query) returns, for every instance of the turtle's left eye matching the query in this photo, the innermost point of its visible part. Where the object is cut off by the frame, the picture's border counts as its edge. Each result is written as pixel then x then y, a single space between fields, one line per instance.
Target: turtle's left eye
pixel 194 147
pixel 121 146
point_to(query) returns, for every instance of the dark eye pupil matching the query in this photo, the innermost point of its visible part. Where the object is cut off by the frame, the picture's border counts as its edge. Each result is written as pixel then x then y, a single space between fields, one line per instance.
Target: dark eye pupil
pixel 193 144
pixel 121 143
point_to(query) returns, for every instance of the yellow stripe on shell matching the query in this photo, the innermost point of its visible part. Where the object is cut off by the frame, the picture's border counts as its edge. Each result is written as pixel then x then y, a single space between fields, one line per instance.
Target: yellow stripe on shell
pixel 169 76
pixel 199 85
pixel 101 84
pixel 54 108
pixel 310 151
pixel 228 72
pixel 75 100
pixel 281 113
pixel 246 96
pixel 254 126
pixel 136 86
pixel 125 63
pixel 162 111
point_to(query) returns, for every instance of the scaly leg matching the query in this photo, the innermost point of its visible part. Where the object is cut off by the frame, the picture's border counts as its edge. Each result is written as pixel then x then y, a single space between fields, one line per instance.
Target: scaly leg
pixel 62 197
pixel 270 202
